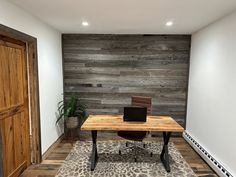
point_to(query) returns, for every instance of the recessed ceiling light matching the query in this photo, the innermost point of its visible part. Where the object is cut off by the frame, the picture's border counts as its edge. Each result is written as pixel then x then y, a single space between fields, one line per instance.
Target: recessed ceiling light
pixel 85 23
pixel 169 23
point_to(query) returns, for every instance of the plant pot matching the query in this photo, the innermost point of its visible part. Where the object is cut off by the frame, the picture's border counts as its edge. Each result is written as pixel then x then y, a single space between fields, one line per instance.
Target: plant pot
pixel 72 122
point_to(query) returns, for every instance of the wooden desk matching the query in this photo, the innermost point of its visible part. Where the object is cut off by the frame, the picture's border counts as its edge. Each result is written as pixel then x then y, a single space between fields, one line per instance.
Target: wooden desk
pixel 164 124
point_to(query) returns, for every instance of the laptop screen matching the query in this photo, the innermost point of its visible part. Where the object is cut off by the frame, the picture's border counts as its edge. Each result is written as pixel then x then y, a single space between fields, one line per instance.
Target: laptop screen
pixel 138 114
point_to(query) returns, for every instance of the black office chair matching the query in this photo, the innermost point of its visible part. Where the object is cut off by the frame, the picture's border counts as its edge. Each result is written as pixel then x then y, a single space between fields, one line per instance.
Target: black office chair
pixel 136 136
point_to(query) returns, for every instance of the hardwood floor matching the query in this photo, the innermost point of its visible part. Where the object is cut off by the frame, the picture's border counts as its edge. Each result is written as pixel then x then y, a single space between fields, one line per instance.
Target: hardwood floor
pixel 50 166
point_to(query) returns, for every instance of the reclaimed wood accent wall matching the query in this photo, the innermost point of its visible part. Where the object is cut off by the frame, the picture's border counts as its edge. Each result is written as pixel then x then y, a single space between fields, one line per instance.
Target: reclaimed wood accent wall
pixel 106 70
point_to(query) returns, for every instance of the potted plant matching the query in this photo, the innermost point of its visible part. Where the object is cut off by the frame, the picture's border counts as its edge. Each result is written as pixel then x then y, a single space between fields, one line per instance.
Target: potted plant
pixel 73 112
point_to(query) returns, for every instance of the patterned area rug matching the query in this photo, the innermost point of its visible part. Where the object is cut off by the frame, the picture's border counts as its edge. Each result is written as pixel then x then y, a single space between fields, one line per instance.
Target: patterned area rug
pixel 111 164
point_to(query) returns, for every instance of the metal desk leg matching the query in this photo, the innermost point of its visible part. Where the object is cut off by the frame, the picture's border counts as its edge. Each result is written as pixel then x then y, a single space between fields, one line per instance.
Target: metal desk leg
pixel 165 154
pixel 94 155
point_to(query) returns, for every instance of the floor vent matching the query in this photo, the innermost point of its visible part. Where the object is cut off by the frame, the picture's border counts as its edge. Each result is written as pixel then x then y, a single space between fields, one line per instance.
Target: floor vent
pixel 220 170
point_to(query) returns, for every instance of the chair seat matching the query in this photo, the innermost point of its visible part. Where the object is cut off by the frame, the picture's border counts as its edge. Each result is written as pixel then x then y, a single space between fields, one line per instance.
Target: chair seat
pixel 132 135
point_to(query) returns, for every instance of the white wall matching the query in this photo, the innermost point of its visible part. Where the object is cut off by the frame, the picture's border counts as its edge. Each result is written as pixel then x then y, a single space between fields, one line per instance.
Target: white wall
pixel 49 65
pixel 211 113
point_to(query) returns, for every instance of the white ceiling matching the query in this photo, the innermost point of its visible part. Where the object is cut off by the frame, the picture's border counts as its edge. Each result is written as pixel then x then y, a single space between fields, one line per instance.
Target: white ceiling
pixel 128 16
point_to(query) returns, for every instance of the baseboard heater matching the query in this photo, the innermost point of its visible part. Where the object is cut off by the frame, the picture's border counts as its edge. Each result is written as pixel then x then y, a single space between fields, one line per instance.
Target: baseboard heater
pixel 212 162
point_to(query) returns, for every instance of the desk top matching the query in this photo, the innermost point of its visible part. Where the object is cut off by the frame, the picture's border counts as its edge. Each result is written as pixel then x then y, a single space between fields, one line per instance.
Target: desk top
pixel 116 123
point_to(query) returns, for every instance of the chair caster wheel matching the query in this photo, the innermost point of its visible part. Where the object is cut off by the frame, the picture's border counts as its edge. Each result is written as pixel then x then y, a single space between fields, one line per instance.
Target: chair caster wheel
pixel 151 154
pixel 119 152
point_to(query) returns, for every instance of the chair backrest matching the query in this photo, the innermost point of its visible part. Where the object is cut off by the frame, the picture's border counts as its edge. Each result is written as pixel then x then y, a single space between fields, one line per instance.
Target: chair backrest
pixel 143 102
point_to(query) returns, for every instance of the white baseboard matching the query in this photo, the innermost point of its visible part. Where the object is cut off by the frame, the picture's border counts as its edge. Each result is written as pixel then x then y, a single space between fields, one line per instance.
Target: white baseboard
pixel 211 161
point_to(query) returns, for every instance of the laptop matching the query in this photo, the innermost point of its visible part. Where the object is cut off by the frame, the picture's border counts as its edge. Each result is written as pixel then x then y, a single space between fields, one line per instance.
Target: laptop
pixel 138 114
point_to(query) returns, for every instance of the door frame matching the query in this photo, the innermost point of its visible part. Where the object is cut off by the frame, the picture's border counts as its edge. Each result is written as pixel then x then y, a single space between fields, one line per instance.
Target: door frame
pixel 33 85
pixel 1 158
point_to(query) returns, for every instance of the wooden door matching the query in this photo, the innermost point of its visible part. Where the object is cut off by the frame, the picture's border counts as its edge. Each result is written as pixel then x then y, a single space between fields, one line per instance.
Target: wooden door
pixel 14 109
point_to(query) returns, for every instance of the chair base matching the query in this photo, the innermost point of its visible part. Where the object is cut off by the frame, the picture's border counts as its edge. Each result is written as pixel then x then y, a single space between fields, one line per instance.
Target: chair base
pixel 134 146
